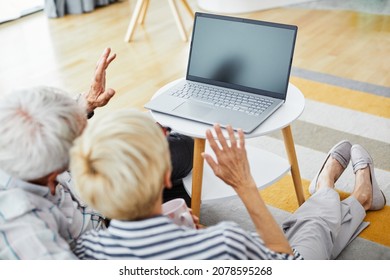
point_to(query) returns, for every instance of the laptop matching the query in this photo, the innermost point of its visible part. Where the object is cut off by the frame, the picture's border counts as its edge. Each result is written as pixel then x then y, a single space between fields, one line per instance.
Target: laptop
pixel 237 74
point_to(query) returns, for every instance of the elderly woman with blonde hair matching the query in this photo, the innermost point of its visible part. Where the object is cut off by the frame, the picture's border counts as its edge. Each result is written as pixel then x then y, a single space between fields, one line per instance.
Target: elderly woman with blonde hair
pixel 121 166
pixel 120 163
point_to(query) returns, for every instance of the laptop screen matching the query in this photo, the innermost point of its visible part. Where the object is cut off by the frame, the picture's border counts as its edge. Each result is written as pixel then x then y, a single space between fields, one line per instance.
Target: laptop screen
pixel 243 54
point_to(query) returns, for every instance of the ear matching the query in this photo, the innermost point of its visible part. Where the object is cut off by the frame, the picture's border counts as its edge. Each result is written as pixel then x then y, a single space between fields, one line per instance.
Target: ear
pixel 52 182
pixel 167 179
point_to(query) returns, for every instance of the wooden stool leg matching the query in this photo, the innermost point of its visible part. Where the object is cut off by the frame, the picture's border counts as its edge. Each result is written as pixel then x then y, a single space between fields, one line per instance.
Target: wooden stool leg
pixel 143 12
pixel 292 157
pixel 178 19
pixel 197 175
pixel 188 8
pixel 134 19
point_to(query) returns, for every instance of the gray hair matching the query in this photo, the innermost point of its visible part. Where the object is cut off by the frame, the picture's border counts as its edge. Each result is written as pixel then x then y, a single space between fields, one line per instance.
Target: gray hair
pixel 37 129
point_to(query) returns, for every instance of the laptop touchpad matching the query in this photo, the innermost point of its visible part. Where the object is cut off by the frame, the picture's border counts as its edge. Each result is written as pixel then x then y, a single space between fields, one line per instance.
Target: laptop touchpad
pixel 192 109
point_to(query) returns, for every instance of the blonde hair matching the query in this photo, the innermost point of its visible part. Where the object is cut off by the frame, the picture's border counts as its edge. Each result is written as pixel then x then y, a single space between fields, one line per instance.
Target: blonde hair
pixel 38 127
pixel 119 164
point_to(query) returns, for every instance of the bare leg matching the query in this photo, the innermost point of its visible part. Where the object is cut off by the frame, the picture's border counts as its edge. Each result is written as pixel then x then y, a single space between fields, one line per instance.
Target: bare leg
pixel 329 174
pixel 363 188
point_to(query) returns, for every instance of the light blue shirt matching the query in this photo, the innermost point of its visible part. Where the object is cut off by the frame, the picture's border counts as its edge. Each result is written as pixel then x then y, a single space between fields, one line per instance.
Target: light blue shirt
pixel 34 224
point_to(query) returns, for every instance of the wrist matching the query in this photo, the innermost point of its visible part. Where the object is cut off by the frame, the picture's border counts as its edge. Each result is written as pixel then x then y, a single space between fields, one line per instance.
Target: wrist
pixel 245 186
pixel 82 100
pixel 247 191
pixel 89 107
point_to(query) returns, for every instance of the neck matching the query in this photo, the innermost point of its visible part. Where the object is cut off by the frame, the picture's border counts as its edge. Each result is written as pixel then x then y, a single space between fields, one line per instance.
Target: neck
pixel 157 208
pixel 41 181
pixel 49 181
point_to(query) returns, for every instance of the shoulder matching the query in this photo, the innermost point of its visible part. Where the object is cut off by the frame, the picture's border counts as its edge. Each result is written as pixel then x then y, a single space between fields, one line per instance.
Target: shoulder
pixel 8 209
pixel 31 211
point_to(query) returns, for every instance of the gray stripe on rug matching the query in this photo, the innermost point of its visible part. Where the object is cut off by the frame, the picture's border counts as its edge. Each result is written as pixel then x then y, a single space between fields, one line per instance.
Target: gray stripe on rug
pixel 340 82
pixel 323 139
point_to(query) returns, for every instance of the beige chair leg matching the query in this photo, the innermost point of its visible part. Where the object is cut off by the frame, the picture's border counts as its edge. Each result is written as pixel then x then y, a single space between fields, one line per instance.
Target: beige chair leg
pixel 134 19
pixel 143 12
pixel 188 8
pixel 178 19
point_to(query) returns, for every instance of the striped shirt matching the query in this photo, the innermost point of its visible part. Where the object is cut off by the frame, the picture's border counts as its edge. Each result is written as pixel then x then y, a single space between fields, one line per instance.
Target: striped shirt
pixel 159 238
pixel 37 225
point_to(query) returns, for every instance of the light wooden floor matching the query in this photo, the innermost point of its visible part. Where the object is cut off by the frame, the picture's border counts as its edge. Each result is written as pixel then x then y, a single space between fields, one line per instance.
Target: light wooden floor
pixel 62 52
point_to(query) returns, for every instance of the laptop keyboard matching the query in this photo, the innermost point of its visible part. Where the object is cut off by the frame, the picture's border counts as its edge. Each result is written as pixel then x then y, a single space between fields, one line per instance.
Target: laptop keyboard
pixel 224 98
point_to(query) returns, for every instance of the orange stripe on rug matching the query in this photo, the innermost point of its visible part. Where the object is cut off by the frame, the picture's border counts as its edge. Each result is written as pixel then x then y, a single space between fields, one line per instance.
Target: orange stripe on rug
pixel 282 195
pixel 343 97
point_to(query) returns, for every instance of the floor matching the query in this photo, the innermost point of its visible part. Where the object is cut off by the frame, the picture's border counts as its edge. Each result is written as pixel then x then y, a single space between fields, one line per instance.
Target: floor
pixel 378 7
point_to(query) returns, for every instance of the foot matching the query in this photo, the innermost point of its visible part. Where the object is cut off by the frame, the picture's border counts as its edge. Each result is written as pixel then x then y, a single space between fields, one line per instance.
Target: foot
pixel 363 188
pixel 366 186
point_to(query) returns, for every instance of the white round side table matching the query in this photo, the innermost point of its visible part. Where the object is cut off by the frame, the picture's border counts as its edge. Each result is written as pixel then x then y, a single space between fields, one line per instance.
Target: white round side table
pixel 266 167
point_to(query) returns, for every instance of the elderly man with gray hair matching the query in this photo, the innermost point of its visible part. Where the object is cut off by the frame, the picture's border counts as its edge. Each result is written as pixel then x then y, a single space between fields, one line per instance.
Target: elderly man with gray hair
pixel 40 215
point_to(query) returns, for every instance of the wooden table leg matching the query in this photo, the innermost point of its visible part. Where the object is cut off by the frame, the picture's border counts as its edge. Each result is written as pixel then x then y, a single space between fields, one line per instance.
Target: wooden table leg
pixel 292 157
pixel 197 175
pixel 179 21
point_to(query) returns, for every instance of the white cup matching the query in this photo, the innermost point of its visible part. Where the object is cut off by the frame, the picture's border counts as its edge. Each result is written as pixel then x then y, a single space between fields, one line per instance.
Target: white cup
pixel 177 210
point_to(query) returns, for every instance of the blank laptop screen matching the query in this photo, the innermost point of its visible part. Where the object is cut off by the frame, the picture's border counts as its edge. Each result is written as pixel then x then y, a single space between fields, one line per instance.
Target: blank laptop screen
pixel 243 54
